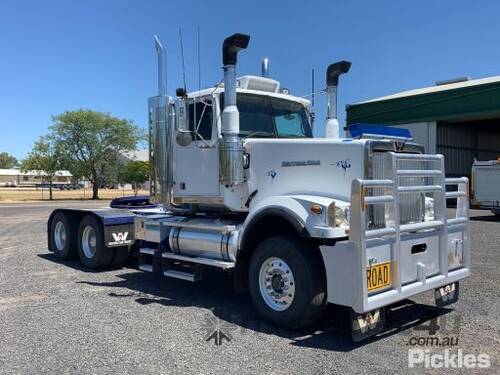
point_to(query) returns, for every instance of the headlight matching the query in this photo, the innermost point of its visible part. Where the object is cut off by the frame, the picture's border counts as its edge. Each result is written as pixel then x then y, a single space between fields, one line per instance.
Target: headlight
pixel 342 216
pixel 339 216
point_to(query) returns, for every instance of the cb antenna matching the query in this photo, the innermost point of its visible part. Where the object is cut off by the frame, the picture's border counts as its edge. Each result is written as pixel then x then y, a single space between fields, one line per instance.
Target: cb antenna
pixel 312 86
pixel 199 60
pixel 182 57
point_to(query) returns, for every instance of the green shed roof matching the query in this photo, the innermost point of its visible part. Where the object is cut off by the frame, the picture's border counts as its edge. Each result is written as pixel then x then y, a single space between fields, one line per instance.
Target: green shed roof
pixel 478 98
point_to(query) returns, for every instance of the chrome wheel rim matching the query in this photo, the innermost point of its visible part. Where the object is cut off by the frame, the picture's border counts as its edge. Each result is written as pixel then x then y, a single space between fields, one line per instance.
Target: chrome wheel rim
pixel 89 242
pixel 276 284
pixel 60 235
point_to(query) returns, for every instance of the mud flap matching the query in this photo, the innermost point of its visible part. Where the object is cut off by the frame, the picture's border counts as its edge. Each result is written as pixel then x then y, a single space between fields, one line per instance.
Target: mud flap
pixel 119 235
pixel 367 324
pixel 446 295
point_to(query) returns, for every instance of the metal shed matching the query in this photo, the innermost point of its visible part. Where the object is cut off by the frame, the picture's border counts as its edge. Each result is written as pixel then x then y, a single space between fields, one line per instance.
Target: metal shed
pixel 460 120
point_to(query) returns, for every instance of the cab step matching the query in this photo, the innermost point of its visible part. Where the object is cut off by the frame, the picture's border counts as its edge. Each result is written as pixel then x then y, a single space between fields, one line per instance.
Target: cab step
pixel 225 265
pixel 178 266
pixel 148 260
pixel 146 267
pixel 182 275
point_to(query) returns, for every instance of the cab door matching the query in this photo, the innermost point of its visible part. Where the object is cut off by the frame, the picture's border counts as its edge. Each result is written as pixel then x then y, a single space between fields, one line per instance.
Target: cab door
pixel 196 154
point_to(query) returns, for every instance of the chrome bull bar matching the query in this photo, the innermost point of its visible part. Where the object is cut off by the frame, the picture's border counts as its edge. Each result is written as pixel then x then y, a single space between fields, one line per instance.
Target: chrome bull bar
pixel 396 237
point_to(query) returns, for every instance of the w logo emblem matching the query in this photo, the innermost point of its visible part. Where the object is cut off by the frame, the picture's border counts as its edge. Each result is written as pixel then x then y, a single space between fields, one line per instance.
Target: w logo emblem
pixel 399 145
pixel 119 237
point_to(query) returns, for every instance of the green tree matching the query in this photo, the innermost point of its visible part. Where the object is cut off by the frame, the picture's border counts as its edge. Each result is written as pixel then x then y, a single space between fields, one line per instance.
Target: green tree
pixel 7 161
pixel 93 142
pixel 136 173
pixel 47 158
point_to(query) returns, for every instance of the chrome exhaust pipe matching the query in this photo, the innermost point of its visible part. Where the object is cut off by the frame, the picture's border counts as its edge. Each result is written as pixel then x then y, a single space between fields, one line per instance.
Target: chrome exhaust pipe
pixel 332 127
pixel 161 123
pixel 162 67
pixel 231 147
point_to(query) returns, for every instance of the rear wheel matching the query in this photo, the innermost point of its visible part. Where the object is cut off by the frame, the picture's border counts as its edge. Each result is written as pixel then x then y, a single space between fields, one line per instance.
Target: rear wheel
pixel 287 282
pixel 61 236
pixel 93 254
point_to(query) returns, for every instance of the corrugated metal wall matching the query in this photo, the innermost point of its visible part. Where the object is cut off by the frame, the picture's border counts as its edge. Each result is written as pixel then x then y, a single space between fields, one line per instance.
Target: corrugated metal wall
pixel 461 142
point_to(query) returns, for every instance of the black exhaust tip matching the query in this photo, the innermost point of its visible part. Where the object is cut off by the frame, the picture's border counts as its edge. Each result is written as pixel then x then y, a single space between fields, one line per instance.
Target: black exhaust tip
pixel 335 70
pixel 231 46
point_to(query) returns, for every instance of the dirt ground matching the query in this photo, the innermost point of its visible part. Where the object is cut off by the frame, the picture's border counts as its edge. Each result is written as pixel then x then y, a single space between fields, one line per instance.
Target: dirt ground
pixel 32 194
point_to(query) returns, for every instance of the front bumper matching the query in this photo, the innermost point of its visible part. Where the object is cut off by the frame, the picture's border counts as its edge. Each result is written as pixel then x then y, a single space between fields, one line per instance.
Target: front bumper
pixel 347 288
pixel 422 256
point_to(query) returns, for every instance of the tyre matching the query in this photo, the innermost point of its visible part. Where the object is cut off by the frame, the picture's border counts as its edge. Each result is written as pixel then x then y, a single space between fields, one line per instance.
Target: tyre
pixel 91 250
pixel 287 282
pixel 62 241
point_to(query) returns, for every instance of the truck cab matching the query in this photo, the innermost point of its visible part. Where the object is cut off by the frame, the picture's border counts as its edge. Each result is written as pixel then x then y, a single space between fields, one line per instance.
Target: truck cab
pixel 265 113
pixel 241 185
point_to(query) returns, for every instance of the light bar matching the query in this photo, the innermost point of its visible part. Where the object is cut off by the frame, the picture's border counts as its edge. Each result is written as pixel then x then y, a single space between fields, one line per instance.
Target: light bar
pixel 379 131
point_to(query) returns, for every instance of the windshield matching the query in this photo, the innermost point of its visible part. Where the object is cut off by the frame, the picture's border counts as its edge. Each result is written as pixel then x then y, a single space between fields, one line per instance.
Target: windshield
pixel 267 117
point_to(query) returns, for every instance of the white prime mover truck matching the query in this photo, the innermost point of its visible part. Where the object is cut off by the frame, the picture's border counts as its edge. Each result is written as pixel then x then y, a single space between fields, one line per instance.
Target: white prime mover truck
pixel 486 185
pixel 240 184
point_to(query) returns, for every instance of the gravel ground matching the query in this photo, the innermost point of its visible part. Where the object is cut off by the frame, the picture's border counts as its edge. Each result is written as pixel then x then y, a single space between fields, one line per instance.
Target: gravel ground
pixel 57 318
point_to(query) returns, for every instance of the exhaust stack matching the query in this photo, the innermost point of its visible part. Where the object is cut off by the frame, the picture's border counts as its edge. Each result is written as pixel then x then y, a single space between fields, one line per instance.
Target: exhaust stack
pixel 231 147
pixel 160 133
pixel 265 67
pixel 332 81
pixel 162 77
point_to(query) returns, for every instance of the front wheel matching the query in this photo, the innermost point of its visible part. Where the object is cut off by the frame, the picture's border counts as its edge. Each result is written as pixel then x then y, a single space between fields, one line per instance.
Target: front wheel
pixel 287 282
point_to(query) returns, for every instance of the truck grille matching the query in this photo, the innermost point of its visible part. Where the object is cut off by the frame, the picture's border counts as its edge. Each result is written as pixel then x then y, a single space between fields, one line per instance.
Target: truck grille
pixel 411 205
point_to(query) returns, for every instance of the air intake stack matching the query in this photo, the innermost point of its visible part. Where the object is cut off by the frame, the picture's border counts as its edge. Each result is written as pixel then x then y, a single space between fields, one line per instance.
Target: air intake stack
pixel 231 147
pixel 332 81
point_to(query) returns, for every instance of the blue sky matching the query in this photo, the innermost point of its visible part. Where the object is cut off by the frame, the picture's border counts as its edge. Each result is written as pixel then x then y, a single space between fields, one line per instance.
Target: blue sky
pixel 64 55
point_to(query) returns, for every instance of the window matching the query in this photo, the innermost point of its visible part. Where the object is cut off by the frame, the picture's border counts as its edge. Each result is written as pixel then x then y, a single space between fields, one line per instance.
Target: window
pixel 203 111
pixel 290 119
pixel 265 116
pixel 25 178
pixel 255 116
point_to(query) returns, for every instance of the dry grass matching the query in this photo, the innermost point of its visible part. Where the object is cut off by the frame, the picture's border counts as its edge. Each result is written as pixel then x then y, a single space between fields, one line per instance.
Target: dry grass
pixel 24 194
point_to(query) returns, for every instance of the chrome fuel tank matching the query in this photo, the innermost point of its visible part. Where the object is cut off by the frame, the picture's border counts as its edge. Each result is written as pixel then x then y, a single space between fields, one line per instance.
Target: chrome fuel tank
pixel 192 236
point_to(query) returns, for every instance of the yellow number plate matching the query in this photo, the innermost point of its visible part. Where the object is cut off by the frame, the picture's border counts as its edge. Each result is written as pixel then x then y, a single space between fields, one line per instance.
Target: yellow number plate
pixel 378 276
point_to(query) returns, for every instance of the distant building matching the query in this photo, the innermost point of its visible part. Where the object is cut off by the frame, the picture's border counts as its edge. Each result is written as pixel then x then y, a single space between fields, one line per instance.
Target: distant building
pixel 14 177
pixel 458 118
pixel 137 155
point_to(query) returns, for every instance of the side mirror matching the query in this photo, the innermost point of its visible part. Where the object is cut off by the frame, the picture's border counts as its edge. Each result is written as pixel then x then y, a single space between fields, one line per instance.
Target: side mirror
pixel 181 115
pixel 183 135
